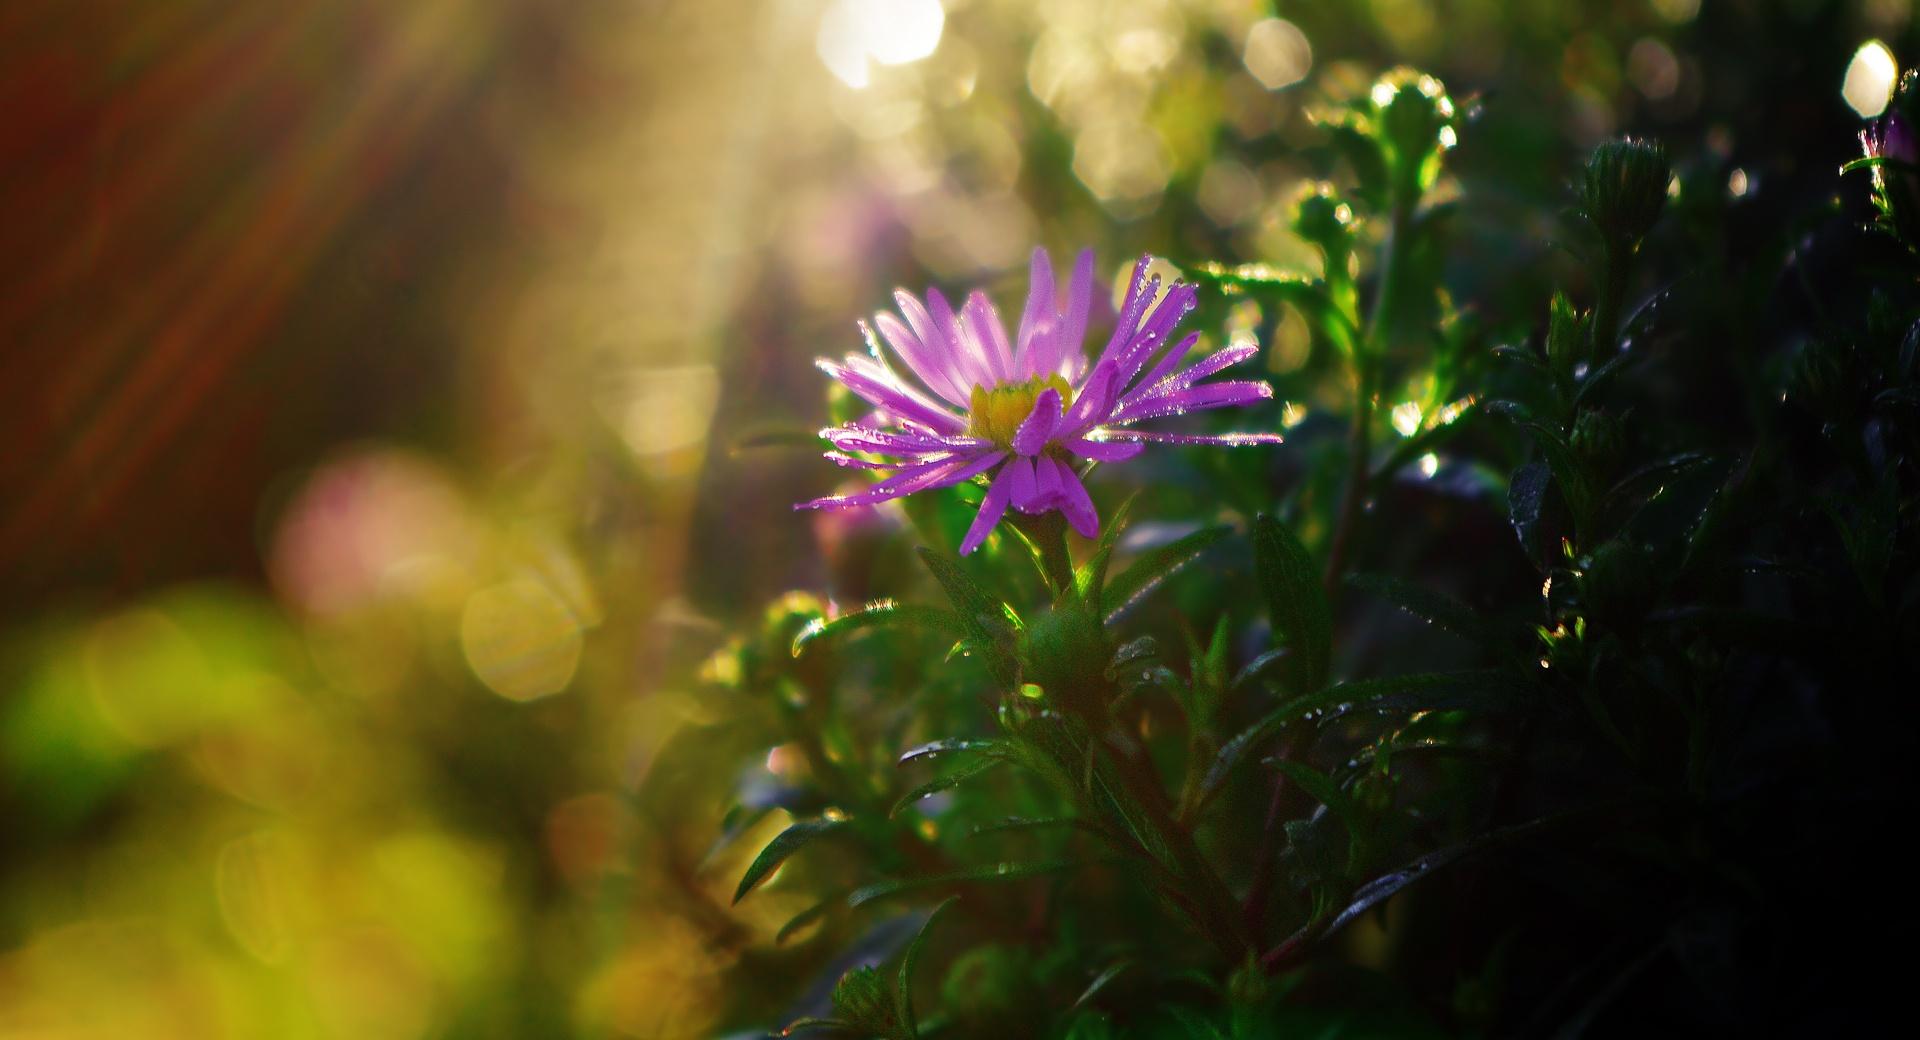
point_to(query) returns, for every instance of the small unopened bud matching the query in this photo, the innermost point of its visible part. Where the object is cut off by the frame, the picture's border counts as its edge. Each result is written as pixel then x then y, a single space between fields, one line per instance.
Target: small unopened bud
pixel 1323 218
pixel 1624 189
pixel 862 998
pixel 1414 117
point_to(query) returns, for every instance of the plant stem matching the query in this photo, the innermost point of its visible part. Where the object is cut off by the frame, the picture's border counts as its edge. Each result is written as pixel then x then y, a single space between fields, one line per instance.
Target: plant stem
pixel 1360 438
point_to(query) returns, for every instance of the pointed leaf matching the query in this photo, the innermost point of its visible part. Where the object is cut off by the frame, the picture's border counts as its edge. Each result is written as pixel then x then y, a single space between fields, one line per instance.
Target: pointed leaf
pixel 988 622
pixel 1428 691
pixel 903 983
pixel 950 746
pixel 992 872
pixel 785 844
pixel 1100 981
pixel 940 783
pixel 1435 608
pixel 1089 582
pixel 1327 792
pixel 1526 497
pixel 1155 566
pixel 805 918
pixel 1296 602
pixel 876 614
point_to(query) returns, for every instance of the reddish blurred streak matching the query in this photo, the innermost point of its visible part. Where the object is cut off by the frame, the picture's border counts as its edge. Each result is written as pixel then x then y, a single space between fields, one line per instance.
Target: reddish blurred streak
pixel 169 176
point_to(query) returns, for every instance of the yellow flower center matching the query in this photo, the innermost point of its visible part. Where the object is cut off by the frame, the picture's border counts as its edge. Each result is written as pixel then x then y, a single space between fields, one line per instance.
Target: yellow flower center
pixel 998 413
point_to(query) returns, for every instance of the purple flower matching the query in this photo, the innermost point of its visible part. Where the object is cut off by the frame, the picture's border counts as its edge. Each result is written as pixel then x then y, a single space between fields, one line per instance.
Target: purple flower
pixel 954 400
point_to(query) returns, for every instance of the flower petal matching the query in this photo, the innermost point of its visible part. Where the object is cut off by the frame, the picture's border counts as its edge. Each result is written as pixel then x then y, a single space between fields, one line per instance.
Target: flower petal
pixel 1103 451
pixel 1071 499
pixel 1094 402
pixel 936 474
pixel 1115 438
pixel 1022 488
pixel 1069 353
pixel 983 322
pixel 1199 370
pixel 1140 292
pixel 967 360
pixel 1037 322
pixel 1193 399
pixel 1164 368
pixel 1037 428
pixel 992 508
pixel 873 385
pixel 922 358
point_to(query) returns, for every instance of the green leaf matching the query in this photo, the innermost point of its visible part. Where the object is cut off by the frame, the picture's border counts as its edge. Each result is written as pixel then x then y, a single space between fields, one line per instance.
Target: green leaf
pixel 1651 479
pixel 903 983
pixel 1323 788
pixel 1259 666
pixel 1435 608
pixel 1145 648
pixel 1100 982
pixel 876 614
pixel 1426 440
pixel 993 872
pixel 988 622
pixel 1526 498
pixel 1155 566
pixel 950 746
pixel 1295 599
pixel 1427 691
pixel 785 844
pixel 1089 582
pixel 805 917
pixel 1307 295
pixel 941 783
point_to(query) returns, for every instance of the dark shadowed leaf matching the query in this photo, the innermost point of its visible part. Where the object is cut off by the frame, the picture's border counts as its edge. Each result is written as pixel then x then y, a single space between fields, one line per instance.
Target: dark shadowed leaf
pixel 1295 599
pixel 1435 608
pixel 992 872
pixel 1526 496
pixel 903 983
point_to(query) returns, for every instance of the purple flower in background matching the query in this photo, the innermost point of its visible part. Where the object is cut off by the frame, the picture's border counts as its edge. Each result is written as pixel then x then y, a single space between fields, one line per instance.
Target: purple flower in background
pixel 955 400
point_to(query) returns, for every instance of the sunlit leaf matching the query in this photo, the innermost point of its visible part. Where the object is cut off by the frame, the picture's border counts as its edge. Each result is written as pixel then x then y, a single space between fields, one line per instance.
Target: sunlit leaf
pixel 876 614
pixel 1155 566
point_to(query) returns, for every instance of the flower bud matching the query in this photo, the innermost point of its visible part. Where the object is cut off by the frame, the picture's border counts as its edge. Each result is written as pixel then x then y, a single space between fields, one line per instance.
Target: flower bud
pixel 861 997
pixel 1624 189
pixel 1323 218
pixel 1413 117
pixel 1893 140
pixel 1065 652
